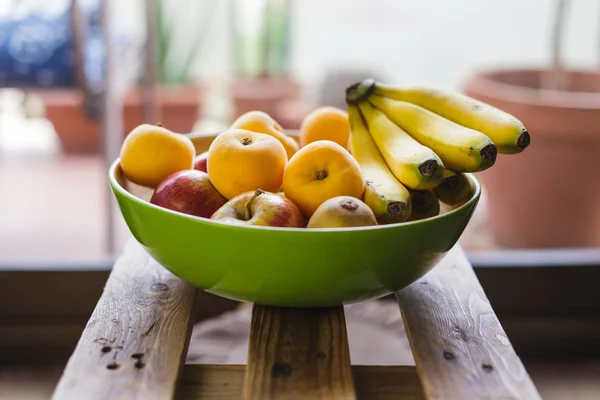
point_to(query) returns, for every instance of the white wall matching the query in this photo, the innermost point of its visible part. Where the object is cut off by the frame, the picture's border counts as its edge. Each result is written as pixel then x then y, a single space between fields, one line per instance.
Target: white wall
pixel 437 42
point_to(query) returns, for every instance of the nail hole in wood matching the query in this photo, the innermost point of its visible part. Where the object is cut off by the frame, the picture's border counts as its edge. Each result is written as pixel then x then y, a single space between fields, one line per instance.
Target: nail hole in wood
pixel 112 366
pixel 321 355
pixel 487 367
pixel 460 333
pixel 106 349
pixel 281 370
pixel 137 356
pixel 448 355
pixel 139 364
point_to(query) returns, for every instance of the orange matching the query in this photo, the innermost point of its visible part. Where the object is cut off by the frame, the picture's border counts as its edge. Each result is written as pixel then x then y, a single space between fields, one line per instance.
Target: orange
pixel 326 123
pixel 150 153
pixel 241 160
pixel 261 122
pixel 320 171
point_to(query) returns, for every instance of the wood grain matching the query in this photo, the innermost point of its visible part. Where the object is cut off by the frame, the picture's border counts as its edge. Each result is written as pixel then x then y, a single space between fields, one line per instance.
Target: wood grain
pixel 134 344
pixel 387 382
pixel 225 382
pixel 461 351
pixel 298 353
pixel 211 381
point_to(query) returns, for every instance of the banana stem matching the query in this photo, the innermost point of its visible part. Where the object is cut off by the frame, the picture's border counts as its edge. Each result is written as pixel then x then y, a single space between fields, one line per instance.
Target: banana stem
pixel 360 91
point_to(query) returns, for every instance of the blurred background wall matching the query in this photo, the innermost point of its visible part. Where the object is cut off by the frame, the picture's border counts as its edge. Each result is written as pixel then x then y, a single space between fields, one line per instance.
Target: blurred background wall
pixel 428 41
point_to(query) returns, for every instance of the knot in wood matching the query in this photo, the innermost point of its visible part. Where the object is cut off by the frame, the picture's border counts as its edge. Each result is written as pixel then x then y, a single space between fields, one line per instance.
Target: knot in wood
pixel 159 287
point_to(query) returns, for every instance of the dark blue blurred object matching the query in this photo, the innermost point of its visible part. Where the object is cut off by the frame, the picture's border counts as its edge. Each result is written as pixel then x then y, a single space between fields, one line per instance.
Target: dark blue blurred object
pixel 37 49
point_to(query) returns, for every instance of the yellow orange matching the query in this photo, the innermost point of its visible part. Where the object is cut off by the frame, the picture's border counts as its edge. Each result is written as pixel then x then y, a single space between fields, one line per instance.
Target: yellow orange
pixel 261 122
pixel 326 123
pixel 150 153
pixel 241 160
pixel 320 171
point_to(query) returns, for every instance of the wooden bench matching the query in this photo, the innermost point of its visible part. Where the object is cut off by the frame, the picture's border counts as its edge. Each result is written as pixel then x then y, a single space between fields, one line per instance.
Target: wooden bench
pixel 135 343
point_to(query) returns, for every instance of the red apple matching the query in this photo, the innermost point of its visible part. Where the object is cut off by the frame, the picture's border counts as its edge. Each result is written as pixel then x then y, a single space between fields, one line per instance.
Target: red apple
pixel 200 161
pixel 261 208
pixel 190 192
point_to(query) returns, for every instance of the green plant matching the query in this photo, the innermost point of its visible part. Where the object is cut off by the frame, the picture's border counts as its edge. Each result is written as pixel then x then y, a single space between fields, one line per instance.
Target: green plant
pixel 261 31
pixel 181 28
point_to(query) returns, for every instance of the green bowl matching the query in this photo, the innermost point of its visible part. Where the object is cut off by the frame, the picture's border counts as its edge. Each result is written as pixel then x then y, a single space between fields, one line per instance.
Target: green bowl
pixel 290 267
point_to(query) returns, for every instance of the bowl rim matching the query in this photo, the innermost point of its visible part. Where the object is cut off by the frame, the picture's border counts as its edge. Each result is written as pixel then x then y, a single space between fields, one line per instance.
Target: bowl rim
pixel 124 192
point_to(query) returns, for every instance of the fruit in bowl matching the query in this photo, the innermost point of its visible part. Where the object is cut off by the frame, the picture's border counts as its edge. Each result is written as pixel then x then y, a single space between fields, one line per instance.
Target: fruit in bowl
pixel 241 160
pixel 261 208
pixel 150 153
pixel 315 224
pixel 342 212
pixel 190 192
pixel 319 171
pixel 325 123
pixel 261 122
pixel 292 267
pixel 200 162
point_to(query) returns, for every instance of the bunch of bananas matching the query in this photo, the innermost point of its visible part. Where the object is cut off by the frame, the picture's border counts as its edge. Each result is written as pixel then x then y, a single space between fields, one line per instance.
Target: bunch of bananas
pixel 414 145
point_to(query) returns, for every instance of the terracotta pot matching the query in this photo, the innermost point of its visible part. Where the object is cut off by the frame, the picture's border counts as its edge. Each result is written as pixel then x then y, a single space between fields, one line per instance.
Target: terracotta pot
pixel 547 196
pixel 265 94
pixel 180 109
pixel 291 113
pixel 64 108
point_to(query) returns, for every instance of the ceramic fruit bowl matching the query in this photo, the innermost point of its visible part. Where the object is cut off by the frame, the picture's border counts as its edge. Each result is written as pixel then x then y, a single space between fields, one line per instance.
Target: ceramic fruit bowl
pixel 290 267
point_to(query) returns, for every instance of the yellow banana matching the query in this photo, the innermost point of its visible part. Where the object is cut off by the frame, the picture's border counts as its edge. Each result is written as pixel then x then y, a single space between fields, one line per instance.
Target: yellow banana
pixel 461 149
pixel 454 188
pixel 414 165
pixel 507 132
pixel 425 204
pixel 384 194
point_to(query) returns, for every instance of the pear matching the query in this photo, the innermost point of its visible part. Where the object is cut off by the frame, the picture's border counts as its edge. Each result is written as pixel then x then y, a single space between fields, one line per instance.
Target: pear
pixel 342 212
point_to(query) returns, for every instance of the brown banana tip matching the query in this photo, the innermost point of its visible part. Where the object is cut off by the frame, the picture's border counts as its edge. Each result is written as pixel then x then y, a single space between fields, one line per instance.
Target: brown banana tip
pixel 489 152
pixel 360 91
pixel 523 140
pixel 396 208
pixel 421 198
pixel 450 182
pixel 428 168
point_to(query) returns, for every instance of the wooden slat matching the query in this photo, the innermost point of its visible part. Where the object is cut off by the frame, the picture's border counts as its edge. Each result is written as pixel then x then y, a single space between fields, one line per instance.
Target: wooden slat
pixel 390 382
pixel 461 351
pixel 225 382
pixel 298 353
pixel 211 381
pixel 134 344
